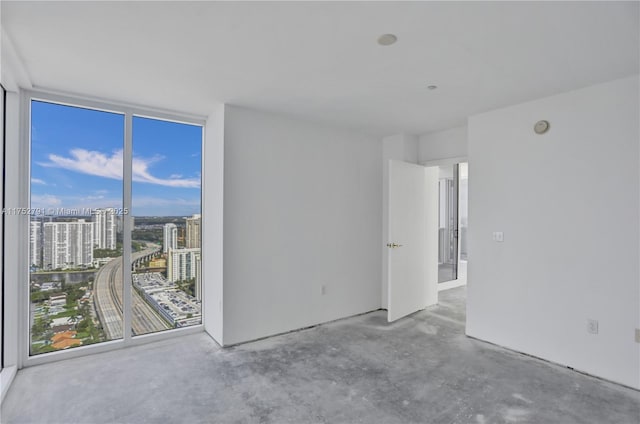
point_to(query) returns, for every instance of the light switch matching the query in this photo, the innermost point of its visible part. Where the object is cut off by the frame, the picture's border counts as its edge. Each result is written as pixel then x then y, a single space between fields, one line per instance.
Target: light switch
pixel 498 236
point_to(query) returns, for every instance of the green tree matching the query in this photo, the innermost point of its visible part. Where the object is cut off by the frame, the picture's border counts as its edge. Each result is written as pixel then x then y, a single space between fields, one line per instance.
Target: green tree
pixel 106 253
pixel 41 326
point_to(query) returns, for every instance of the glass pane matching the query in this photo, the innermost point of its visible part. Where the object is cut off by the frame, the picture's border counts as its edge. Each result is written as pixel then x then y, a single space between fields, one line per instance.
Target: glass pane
pixel 447 224
pixel 166 232
pixel 75 231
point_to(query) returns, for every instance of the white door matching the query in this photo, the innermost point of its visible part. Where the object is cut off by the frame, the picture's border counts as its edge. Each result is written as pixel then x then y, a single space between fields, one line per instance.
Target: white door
pixel 413 238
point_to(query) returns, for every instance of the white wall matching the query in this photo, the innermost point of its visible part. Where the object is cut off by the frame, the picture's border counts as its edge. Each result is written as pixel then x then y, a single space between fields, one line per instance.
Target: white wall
pixel 567 202
pixel 212 223
pixel 451 143
pixel 301 210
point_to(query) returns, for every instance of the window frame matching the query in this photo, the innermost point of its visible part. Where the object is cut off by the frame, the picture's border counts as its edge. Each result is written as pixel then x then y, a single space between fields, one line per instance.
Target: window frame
pixel 20 256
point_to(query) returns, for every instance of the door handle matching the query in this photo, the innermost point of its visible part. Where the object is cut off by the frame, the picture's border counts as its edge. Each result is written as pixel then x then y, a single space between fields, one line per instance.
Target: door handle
pixel 393 245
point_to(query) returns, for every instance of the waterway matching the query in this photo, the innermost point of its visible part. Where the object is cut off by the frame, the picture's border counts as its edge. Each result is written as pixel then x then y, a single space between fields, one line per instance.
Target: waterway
pixel 67 277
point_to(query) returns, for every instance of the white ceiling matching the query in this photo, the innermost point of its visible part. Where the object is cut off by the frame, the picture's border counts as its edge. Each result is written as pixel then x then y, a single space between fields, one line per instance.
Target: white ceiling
pixel 321 61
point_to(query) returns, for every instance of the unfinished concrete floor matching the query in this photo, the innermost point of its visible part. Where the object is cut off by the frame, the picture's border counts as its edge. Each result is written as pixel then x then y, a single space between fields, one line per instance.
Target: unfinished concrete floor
pixel 421 369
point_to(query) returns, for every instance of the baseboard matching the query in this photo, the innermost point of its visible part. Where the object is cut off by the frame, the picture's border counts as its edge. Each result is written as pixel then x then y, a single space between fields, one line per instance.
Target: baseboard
pixel 556 364
pixel 300 329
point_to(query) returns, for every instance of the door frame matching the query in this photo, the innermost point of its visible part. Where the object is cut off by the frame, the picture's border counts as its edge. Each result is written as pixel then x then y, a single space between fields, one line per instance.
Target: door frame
pixel 459 281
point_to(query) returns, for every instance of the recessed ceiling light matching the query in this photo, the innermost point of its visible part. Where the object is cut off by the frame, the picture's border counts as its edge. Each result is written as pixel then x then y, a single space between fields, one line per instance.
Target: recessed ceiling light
pixel 387 39
pixel 432 87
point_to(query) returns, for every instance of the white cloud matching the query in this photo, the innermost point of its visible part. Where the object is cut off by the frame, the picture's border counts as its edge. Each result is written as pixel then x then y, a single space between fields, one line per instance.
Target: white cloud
pixel 37 181
pixel 45 200
pixel 173 176
pixel 74 202
pixel 89 162
pixel 101 165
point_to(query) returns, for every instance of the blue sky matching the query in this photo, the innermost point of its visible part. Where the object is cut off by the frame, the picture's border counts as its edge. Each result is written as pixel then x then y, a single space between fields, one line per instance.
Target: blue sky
pixel 76 161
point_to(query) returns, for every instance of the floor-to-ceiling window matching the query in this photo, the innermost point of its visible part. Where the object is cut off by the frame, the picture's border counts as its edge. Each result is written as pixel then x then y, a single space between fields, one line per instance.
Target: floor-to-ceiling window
pixel 463 216
pixel 114 225
pixel 447 223
pixel 452 222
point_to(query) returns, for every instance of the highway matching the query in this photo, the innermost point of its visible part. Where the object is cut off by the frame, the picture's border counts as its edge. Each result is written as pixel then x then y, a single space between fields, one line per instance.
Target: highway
pixel 108 290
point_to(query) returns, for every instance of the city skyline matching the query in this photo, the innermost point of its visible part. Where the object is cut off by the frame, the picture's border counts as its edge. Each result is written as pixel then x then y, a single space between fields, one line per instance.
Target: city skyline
pixel 77 162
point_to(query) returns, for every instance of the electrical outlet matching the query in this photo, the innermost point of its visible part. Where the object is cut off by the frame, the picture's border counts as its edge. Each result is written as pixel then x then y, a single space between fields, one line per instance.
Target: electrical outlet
pixel 498 236
pixel 323 290
pixel 592 326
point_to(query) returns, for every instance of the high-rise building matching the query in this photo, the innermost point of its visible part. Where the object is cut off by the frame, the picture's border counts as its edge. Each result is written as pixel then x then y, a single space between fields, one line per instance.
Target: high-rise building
pixel 169 237
pixel 192 238
pixel 104 228
pixel 67 244
pixel 183 264
pixel 35 243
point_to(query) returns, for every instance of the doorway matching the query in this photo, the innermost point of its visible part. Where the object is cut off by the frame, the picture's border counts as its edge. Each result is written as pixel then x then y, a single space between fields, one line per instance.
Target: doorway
pixel 426 209
pixel 452 223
